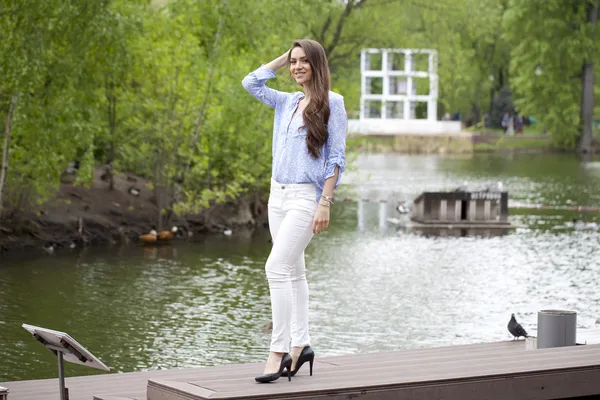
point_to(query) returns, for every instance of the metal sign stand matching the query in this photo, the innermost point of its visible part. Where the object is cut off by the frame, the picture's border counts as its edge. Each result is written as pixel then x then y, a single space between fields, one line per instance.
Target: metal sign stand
pixel 65 348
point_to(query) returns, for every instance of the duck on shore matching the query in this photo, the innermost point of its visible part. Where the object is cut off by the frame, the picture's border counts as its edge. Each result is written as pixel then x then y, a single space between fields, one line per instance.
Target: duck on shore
pixel 403 207
pixel 150 237
pixel 167 235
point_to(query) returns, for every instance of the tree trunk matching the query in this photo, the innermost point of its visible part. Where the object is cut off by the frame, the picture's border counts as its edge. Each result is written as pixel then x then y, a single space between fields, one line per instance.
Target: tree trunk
pixel 337 34
pixel 113 139
pixel 111 108
pixel 159 190
pixel 7 137
pixel 587 93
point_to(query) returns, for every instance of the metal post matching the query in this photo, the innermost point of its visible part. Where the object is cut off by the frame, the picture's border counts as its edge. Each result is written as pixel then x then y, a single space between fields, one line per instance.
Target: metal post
pixel 556 328
pixel 61 375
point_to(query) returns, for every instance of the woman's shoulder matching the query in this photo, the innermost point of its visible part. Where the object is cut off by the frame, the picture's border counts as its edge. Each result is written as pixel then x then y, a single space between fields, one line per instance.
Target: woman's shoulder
pixel 335 98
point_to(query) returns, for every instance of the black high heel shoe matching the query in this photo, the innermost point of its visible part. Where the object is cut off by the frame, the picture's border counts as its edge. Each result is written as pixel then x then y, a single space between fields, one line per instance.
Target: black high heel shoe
pixel 286 363
pixel 307 354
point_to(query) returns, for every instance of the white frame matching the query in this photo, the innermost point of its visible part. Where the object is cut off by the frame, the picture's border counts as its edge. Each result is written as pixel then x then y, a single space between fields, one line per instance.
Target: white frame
pixel 386 72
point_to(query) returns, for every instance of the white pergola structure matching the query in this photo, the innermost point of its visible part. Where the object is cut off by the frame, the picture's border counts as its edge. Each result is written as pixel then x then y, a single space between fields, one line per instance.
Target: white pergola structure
pixel 389 87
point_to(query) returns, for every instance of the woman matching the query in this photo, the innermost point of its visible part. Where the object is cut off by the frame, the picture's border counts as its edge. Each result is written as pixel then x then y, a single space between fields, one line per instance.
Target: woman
pixel 309 141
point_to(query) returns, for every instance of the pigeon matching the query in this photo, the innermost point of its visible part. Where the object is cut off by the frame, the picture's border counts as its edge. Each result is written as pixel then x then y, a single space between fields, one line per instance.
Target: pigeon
pixel 515 328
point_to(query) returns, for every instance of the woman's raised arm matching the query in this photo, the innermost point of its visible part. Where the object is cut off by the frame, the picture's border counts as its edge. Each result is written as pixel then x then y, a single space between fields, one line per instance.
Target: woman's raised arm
pixel 254 82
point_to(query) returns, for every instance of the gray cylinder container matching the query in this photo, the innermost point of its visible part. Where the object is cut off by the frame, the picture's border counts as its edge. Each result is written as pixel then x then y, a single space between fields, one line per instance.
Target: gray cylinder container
pixel 556 328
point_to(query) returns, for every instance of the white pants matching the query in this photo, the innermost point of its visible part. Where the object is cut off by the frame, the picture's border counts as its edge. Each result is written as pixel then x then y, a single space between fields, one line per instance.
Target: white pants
pixel 291 212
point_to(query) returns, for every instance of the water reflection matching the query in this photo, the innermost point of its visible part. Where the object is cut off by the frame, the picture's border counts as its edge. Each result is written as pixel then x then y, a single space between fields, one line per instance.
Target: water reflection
pixel 373 287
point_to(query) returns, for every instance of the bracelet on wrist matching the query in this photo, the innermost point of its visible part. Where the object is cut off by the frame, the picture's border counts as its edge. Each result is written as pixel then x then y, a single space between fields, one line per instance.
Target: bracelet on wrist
pixel 327 199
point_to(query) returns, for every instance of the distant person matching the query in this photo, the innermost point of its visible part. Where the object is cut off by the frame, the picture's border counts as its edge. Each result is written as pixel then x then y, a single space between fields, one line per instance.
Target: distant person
pixel 519 124
pixel 511 126
pixel 505 122
pixel 309 137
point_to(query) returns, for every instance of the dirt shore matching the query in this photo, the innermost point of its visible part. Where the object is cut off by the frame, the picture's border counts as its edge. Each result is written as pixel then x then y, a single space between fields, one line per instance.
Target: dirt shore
pixel 80 216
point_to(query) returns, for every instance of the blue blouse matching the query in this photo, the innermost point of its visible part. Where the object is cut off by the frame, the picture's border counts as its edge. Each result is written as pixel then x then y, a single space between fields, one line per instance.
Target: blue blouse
pixel 292 163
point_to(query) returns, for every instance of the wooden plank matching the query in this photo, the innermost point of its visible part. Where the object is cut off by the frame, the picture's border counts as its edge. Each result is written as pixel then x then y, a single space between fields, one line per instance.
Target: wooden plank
pixel 355 375
pixel 422 358
pixel 167 390
pixel 117 398
pixel 416 368
pixel 343 380
pixel 457 210
pixel 444 210
pixel 472 210
pixel 533 387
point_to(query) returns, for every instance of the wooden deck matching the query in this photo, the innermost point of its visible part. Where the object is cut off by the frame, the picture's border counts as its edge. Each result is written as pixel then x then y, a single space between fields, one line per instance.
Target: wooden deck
pixel 502 370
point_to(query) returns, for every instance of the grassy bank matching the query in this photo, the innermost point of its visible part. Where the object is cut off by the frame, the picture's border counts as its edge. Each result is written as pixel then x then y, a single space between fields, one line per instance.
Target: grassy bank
pixel 512 143
pixel 411 144
pixel 466 142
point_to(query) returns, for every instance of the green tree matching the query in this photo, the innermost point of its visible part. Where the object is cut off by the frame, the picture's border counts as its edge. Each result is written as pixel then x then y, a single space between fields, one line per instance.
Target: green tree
pixel 45 48
pixel 553 50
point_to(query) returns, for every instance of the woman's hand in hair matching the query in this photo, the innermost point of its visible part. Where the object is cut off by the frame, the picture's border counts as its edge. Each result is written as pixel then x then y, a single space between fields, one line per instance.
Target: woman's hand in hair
pixel 279 62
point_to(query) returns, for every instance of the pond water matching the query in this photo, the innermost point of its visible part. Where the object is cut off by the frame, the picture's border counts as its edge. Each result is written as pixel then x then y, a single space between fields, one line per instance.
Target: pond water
pixel 374 287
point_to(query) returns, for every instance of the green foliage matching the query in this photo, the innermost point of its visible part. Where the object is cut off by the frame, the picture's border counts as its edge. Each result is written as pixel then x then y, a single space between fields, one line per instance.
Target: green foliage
pixel 552 37
pixel 46 50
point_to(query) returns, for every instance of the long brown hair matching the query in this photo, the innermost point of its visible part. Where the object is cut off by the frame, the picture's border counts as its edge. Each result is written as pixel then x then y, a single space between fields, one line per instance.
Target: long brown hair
pixel 316 113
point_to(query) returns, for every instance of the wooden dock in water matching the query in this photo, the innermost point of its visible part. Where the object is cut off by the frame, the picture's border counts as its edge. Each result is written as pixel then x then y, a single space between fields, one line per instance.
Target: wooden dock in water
pixel 492 371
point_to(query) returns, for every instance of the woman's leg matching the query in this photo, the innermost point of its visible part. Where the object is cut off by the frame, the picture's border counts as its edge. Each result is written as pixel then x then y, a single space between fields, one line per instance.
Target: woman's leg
pixel 276 214
pixel 279 286
pixel 300 336
pixel 293 235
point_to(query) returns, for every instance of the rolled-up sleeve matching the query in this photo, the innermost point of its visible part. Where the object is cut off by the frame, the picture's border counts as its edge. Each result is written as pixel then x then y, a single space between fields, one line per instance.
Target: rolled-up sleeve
pixel 254 83
pixel 336 140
